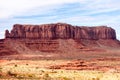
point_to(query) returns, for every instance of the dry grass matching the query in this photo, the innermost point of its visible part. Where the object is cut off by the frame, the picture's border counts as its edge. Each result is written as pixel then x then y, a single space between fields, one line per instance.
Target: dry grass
pixel 35 70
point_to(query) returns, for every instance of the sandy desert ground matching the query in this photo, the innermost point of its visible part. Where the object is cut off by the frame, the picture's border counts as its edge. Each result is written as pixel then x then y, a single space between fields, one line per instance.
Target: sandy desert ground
pixel 95 69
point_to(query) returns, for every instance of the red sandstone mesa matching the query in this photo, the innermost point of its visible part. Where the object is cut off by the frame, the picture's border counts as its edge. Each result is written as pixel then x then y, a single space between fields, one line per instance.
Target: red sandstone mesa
pixel 66 40
pixel 60 31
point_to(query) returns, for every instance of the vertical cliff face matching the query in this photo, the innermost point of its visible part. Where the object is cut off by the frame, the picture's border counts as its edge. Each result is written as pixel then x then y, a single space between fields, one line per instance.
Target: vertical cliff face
pixel 101 32
pixel 60 31
pixel 58 38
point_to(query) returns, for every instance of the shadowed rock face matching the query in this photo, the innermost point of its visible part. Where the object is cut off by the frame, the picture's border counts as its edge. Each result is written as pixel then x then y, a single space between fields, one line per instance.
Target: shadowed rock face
pixel 60 31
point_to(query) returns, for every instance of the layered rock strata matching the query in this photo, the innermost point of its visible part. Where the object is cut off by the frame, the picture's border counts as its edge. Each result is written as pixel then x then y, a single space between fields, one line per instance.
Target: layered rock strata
pixel 59 37
pixel 60 31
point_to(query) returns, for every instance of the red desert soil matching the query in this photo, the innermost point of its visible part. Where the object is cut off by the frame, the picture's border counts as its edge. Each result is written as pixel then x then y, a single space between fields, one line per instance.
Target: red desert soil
pixel 102 64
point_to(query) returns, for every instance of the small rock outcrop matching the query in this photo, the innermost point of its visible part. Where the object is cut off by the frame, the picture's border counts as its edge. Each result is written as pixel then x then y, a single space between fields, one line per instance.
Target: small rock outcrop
pixel 60 31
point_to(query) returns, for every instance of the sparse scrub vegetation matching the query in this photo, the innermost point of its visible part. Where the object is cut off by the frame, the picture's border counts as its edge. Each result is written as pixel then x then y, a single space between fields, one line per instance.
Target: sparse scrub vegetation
pixel 46 77
pixel 16 65
pixel 33 72
pixel 0 69
pixel 27 64
pixel 11 74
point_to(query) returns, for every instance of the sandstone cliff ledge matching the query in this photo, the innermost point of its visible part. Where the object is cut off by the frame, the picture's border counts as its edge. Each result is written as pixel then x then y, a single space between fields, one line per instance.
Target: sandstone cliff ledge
pixel 58 40
pixel 60 31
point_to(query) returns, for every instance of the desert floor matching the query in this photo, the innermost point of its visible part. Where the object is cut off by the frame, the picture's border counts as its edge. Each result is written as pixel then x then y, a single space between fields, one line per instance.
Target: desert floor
pixel 94 69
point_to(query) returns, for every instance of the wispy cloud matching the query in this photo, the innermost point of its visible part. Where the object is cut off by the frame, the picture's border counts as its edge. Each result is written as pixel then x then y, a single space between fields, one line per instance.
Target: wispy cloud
pixel 10 8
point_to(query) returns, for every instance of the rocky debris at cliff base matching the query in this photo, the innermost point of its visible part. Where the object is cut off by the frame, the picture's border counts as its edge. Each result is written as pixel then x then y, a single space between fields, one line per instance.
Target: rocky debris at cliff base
pixel 4 50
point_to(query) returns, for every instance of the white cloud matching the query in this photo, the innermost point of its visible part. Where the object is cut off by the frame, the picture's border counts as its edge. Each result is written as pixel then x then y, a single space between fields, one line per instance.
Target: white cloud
pixel 10 8
pixel 100 6
pixel 92 20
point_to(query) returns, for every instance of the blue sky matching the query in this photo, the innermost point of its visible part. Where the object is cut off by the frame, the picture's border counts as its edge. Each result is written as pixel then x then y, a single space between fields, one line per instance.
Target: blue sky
pixel 75 12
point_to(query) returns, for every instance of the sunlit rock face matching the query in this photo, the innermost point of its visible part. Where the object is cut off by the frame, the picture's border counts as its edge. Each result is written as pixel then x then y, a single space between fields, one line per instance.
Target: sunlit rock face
pixel 58 38
pixel 60 31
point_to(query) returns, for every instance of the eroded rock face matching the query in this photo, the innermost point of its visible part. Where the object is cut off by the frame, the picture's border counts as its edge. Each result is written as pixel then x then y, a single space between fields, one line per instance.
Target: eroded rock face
pixel 60 31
